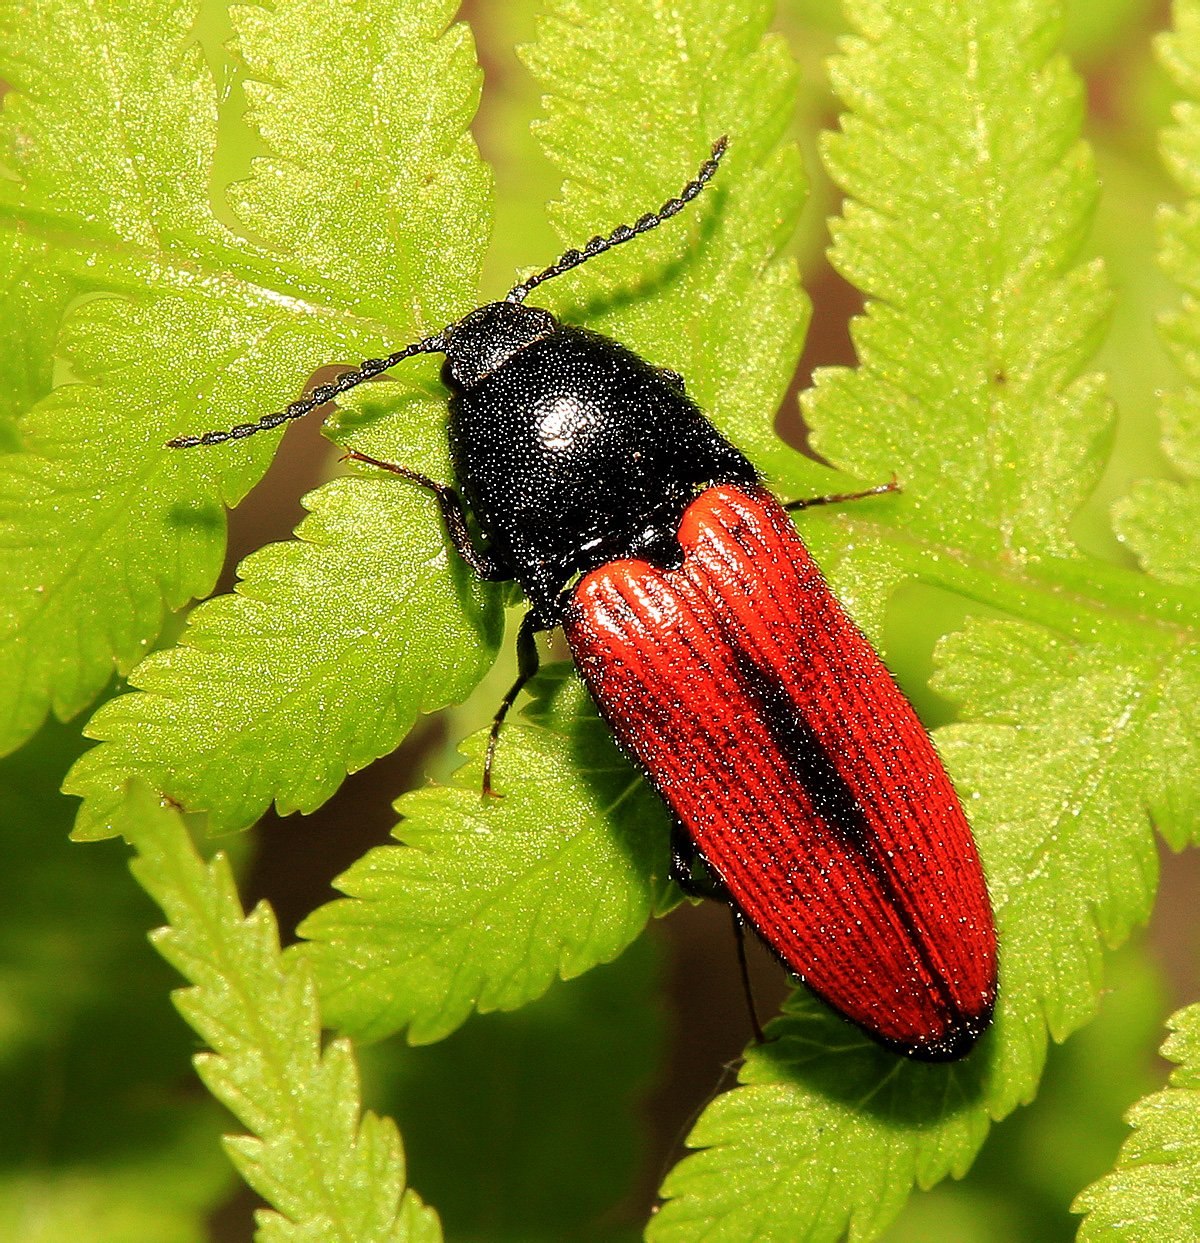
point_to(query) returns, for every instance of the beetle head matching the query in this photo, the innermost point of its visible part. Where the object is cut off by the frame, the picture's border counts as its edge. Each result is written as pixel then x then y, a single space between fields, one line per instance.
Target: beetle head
pixel 488 337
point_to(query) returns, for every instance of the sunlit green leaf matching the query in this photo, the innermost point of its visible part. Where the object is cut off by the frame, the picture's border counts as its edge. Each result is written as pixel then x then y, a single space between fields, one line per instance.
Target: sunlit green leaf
pixel 331 1171
pixel 710 296
pixel 109 130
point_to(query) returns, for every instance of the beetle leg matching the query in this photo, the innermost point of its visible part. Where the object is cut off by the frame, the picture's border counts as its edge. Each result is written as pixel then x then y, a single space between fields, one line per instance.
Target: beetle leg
pixel 739 935
pixel 527 665
pixel 808 502
pixel 453 515
pixel 683 859
pixel 682 869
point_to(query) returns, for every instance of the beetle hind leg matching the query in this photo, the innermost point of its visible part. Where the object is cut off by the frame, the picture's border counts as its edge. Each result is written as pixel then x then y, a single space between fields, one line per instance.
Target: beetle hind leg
pixel 682 871
pixel 707 884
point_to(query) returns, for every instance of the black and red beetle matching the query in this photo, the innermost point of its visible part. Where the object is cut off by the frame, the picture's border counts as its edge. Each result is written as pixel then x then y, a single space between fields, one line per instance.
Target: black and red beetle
pixel 793 766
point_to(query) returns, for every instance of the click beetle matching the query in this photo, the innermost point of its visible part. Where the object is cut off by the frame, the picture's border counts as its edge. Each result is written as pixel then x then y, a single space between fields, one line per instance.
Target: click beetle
pixel 793 767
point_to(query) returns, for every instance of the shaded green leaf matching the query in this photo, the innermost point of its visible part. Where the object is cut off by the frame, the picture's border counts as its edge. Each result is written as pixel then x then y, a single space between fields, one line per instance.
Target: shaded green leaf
pixel 823 1139
pixel 527 1126
pixel 1154 1192
pixel 95 1144
pixel 488 901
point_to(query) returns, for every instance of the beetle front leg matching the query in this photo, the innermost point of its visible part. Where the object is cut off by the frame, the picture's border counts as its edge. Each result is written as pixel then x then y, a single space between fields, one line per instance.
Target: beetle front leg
pixel 454 516
pixel 528 663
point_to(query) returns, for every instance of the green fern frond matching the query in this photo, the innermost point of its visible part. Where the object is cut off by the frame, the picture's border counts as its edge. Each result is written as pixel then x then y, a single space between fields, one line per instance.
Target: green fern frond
pixel 1154 1193
pixel 331 1171
pixel 368 219
pixel 970 194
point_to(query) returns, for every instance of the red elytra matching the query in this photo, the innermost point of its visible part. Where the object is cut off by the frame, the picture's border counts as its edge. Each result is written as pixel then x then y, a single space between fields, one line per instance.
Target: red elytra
pixel 781 743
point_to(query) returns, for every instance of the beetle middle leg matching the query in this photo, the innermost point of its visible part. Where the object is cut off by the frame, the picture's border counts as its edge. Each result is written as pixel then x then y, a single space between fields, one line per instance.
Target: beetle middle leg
pixel 528 663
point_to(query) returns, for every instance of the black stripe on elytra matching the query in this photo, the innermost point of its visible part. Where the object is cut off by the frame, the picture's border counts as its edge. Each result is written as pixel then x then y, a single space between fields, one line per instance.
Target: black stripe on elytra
pixel 809 762
pixel 832 799
pixel 834 802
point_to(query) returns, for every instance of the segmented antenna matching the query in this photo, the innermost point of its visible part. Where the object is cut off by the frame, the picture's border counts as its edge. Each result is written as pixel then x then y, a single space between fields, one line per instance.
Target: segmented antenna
pixel 436 344
pixel 623 232
pixel 318 397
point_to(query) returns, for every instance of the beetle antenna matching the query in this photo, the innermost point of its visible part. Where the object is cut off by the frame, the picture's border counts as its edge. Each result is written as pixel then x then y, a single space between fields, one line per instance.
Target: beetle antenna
pixel 623 232
pixel 318 397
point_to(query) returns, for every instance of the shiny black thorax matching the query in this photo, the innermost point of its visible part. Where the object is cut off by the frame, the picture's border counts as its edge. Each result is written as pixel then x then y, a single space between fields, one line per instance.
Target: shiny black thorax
pixel 571 450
